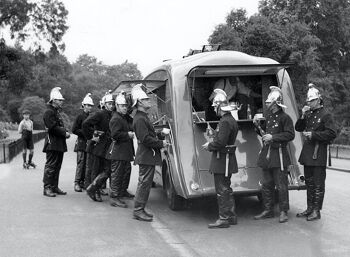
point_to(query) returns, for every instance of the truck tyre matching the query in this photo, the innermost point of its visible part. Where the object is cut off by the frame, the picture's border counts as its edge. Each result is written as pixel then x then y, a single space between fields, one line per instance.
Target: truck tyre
pixel 175 202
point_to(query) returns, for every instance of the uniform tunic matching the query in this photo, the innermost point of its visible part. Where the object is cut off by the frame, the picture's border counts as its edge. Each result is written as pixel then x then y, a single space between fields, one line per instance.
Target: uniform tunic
pixel 322 126
pixel 56 132
pixel 80 144
pixel 280 126
pixel 148 150
pixel 147 156
pixel 121 152
pixel 123 147
pixel 99 121
pixel 226 135
pixel 80 148
pixel 54 146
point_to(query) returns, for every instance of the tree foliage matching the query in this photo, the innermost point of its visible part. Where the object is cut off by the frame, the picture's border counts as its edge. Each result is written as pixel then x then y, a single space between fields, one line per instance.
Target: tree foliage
pixel 45 19
pixel 314 35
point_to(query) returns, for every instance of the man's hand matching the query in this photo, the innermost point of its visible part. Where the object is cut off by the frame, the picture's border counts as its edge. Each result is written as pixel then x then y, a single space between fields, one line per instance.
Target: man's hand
pixel 95 139
pixel 67 135
pixel 307 135
pixel 305 109
pixel 267 138
pixel 131 134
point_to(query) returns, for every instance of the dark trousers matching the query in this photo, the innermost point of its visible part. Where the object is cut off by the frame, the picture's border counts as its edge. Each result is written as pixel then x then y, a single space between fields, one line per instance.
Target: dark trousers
pixel 120 177
pixel 146 174
pixel 101 171
pixel 224 194
pixel 275 178
pixel 88 169
pixel 315 178
pixel 80 170
pixel 52 169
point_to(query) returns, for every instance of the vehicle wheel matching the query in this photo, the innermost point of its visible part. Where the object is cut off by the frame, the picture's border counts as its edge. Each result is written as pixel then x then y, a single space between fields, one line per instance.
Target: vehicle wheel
pixel 175 201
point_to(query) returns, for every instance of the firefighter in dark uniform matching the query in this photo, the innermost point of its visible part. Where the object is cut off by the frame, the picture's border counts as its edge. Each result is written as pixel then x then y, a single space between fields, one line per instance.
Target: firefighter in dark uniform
pixel 55 143
pixel 121 152
pixel 319 130
pixel 147 154
pixel 80 144
pixel 223 161
pixel 96 128
pixel 274 158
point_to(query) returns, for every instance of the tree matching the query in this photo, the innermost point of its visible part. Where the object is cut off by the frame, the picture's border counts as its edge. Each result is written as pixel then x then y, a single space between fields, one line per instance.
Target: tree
pixel 46 20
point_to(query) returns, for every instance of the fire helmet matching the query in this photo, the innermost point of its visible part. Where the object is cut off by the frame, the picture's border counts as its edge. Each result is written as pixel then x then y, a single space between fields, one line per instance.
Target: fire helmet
pixel 312 93
pixel 275 95
pixel 220 100
pixel 55 94
pixel 120 99
pixel 137 94
pixel 87 100
pixel 108 97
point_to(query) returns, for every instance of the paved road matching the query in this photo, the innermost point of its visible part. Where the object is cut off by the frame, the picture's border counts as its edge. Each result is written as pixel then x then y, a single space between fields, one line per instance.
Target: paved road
pixel 73 225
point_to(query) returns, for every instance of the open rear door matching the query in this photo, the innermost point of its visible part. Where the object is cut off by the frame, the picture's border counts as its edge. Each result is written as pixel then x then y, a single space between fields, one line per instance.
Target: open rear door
pixel 257 78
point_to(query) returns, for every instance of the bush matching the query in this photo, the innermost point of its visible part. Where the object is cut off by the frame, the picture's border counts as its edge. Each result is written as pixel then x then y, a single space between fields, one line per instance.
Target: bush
pixel 3 130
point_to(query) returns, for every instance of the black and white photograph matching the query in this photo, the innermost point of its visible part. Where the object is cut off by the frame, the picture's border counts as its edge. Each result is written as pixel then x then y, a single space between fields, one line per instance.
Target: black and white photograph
pixel 180 128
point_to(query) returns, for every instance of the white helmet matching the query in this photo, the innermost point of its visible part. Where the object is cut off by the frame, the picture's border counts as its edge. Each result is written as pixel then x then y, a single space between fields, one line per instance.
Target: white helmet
pixel 108 97
pixel 220 99
pixel 137 94
pixel 312 93
pixel 275 96
pixel 120 99
pixel 87 100
pixel 55 94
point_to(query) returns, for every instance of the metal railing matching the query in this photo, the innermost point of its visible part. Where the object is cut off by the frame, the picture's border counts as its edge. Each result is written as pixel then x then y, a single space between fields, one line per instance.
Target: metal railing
pixel 10 148
pixel 340 151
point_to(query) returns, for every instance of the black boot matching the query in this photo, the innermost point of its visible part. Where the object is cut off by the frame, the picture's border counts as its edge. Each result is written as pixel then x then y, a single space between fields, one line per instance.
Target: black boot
pixel 232 220
pixel 77 188
pixel 283 217
pixel 98 196
pixel 315 215
pixel 126 194
pixel 147 213
pixel 264 215
pixel 310 195
pixel 48 192
pixel 58 191
pixel 220 224
pixel 141 215
pixel 305 213
pixel 116 202
pixel 91 191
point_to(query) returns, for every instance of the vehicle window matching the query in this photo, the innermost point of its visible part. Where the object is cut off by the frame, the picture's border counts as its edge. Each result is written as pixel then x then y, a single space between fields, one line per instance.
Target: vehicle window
pixel 245 92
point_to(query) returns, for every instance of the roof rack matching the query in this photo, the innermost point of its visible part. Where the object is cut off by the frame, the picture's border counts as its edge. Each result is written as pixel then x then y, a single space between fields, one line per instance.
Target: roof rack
pixel 205 48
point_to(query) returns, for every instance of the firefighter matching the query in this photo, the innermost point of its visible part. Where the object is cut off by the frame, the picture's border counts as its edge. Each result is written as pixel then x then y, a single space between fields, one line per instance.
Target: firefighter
pixel 223 161
pixel 274 158
pixel 318 129
pixel 96 128
pixel 121 152
pixel 55 143
pixel 80 144
pixel 147 154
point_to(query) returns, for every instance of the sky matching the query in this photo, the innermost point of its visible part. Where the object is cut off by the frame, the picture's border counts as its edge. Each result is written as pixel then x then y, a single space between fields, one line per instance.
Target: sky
pixel 144 32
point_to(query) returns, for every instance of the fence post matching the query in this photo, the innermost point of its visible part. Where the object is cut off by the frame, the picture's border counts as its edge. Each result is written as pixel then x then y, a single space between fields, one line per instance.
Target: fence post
pixel 3 147
pixel 337 150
